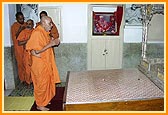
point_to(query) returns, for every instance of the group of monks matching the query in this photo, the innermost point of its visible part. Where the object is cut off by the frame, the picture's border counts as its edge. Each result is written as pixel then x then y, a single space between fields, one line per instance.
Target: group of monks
pixel 33 49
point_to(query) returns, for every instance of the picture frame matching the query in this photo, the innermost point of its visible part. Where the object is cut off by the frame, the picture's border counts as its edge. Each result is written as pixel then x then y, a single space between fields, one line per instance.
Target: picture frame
pixel 30 11
pixel 104 23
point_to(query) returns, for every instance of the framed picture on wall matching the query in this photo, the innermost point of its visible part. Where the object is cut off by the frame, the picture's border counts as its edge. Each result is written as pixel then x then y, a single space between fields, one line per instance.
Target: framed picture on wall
pixel 30 11
pixel 104 23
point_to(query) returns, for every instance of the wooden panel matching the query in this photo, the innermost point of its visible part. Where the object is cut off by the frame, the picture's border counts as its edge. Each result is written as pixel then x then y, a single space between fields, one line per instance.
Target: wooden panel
pixel 139 105
pixel 113 60
pixel 98 54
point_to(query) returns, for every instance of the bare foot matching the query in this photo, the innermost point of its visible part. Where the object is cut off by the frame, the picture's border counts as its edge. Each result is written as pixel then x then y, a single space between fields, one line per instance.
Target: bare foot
pixel 43 108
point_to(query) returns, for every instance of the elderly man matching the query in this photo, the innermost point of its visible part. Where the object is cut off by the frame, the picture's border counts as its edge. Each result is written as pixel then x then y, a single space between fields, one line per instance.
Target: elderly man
pixel 54 31
pixel 43 68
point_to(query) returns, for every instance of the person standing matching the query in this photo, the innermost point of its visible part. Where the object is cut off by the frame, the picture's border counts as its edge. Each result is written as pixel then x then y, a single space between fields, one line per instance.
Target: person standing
pixel 16 28
pixel 54 31
pixel 54 34
pixel 22 40
pixel 43 69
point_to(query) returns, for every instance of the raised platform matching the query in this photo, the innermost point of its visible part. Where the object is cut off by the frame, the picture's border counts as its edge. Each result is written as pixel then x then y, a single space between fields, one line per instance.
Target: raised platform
pixel 112 90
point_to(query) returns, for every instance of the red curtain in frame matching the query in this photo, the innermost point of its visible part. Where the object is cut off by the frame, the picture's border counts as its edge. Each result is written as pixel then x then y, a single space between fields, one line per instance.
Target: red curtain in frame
pixel 119 16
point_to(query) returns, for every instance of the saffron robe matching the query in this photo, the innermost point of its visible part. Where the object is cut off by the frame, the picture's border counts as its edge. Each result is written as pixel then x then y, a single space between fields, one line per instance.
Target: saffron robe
pixel 24 36
pixel 43 70
pixel 18 50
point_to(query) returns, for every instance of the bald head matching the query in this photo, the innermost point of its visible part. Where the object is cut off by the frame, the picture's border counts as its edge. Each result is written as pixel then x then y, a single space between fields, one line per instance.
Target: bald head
pixel 44 18
pixel 46 23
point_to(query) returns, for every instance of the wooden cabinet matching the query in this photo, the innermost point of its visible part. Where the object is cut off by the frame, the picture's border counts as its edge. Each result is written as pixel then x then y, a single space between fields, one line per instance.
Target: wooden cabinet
pixel 105 54
pixel 104 51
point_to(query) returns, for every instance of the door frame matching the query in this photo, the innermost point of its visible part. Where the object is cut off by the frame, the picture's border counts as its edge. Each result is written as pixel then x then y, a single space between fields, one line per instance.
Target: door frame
pixel 60 25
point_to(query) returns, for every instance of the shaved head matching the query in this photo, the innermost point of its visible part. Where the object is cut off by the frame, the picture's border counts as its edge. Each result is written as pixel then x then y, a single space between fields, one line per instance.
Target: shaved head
pixel 44 18
pixel 46 23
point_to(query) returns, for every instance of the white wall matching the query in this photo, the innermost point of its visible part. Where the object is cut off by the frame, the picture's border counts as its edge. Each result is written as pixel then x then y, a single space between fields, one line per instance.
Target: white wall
pixel 133 34
pixel 9 19
pixel 156 28
pixel 6 26
pixel 74 22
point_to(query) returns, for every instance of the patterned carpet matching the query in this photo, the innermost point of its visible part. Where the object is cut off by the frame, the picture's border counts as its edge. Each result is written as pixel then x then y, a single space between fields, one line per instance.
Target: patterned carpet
pixel 24 90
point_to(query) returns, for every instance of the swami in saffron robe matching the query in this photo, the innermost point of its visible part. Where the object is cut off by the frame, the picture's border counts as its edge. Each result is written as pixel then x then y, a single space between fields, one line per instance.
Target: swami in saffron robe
pixel 43 70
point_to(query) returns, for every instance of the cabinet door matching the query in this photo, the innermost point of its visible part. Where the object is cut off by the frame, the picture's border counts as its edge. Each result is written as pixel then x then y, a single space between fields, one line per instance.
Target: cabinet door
pixel 113 54
pixel 98 54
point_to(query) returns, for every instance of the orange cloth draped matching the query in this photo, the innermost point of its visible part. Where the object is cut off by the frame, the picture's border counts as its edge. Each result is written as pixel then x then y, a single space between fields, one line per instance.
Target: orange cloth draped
pixel 54 30
pixel 18 50
pixel 44 70
pixel 24 36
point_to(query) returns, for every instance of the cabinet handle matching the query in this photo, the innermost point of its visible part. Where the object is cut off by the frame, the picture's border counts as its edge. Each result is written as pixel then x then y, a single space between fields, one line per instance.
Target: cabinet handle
pixel 105 50
pixel 103 54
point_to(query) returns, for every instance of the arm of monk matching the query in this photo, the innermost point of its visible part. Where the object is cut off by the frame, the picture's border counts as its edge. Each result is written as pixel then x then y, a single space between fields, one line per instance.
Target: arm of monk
pixel 19 30
pixel 54 32
pixel 22 40
pixel 52 42
pixel 36 45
